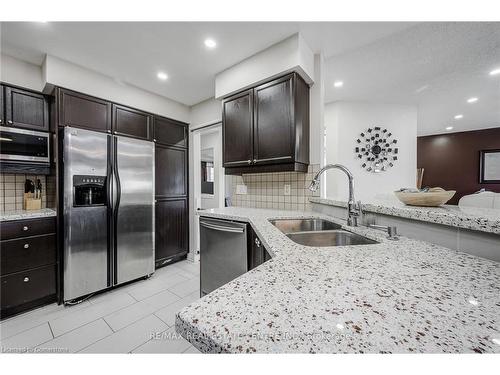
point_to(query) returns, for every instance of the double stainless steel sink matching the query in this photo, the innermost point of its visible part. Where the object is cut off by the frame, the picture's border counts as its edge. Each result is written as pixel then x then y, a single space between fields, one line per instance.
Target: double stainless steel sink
pixel 319 232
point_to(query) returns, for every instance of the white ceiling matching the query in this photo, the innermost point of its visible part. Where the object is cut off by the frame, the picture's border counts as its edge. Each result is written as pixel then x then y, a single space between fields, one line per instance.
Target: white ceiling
pixel 135 52
pixel 435 66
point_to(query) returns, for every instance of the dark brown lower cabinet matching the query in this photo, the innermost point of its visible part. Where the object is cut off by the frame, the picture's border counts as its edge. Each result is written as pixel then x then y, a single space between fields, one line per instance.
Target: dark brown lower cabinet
pixel 172 230
pixel 26 289
pixel 28 264
pixel 257 253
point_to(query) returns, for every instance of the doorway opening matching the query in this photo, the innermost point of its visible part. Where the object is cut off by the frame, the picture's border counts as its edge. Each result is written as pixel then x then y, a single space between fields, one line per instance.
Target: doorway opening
pixel 208 176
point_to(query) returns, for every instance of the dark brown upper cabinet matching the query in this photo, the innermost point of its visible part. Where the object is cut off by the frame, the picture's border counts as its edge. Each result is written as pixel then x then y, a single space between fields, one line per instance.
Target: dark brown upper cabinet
pixel 170 132
pixel 266 129
pixel 26 109
pixel 170 171
pixel 132 123
pixel 2 112
pixel 83 111
pixel 237 119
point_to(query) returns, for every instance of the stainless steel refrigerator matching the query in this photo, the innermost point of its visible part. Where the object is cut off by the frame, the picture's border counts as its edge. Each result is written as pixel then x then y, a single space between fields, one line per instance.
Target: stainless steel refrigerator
pixel 108 211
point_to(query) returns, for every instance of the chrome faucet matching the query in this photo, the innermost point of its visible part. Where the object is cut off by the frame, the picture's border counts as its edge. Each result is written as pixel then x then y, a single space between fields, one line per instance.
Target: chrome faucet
pixel 353 207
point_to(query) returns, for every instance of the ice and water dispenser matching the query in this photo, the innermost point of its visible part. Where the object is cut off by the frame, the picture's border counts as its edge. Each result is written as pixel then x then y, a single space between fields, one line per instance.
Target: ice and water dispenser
pixel 89 191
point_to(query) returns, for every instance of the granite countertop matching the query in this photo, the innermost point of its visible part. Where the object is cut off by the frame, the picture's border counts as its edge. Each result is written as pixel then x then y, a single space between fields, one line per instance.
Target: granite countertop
pixel 23 214
pixel 395 296
pixel 473 218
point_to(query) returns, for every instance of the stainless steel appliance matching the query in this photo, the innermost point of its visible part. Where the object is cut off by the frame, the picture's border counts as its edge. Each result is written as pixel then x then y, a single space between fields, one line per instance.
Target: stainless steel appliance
pixel 108 211
pixel 20 145
pixel 223 252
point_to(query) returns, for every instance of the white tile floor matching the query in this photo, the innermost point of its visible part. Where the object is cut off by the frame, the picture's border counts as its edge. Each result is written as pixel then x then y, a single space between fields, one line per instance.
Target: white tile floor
pixel 123 320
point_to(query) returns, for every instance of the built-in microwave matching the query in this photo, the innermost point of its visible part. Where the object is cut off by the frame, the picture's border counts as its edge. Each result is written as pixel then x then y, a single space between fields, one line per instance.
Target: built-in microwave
pixel 20 145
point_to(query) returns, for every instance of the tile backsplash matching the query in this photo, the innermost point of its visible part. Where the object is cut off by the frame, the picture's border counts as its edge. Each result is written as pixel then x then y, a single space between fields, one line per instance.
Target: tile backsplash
pixel 267 190
pixel 12 191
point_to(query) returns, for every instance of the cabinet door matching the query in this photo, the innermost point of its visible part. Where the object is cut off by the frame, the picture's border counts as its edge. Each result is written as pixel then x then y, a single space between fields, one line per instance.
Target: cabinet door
pixel 2 118
pixel 82 111
pixel 130 122
pixel 26 109
pixel 170 171
pixel 237 126
pixel 170 132
pixel 273 122
pixel 171 228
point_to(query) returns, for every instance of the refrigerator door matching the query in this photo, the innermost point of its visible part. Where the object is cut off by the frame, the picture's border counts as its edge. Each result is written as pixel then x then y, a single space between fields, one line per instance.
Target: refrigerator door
pixel 134 208
pixel 85 227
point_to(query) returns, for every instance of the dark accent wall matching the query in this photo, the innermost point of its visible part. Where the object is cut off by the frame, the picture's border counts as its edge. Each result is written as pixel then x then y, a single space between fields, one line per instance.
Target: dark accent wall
pixel 451 160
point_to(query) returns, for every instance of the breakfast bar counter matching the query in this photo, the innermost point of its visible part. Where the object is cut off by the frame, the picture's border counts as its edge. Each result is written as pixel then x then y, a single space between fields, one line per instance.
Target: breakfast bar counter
pixel 401 296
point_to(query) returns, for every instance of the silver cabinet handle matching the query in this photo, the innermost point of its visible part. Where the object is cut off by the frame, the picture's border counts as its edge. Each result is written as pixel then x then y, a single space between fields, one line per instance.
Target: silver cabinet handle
pixel 25 228
pixel 9 122
pixel 221 228
pixel 154 139
pixel 26 279
pixel 26 245
pixel 249 161
pixel 257 242
pixel 254 161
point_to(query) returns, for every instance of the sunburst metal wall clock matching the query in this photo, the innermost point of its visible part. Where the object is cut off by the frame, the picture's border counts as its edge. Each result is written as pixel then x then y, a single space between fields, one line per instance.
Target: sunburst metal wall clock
pixel 376 149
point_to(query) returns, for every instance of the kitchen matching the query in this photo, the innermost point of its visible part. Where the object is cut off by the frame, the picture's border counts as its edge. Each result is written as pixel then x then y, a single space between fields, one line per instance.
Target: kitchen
pixel 291 190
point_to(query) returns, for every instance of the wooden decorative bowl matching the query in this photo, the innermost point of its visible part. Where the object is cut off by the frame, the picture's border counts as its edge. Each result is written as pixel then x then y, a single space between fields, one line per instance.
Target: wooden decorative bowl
pixel 433 198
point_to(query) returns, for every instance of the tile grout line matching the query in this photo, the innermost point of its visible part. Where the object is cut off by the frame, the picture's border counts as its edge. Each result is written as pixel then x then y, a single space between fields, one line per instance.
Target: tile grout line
pixel 50 327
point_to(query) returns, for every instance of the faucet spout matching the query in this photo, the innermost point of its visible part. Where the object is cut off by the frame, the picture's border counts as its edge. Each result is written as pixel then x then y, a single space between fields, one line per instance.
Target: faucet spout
pixel 353 207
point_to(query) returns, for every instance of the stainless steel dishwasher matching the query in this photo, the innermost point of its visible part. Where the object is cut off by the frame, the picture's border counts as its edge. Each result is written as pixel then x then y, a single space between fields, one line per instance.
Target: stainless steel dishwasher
pixel 223 252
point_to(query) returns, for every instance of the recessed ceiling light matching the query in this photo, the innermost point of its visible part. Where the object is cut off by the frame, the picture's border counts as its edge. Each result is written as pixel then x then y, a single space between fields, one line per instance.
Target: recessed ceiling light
pixel 338 84
pixel 472 100
pixel 340 326
pixel 495 72
pixel 473 302
pixel 496 341
pixel 163 76
pixel 449 128
pixel 210 43
pixel 458 117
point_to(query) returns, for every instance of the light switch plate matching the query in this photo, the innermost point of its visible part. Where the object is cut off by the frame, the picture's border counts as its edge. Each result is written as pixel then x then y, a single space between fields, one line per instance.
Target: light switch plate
pixel 241 189
pixel 286 190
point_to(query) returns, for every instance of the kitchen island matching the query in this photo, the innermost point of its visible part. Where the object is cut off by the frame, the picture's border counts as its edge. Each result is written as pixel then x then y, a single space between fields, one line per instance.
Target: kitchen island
pixel 395 296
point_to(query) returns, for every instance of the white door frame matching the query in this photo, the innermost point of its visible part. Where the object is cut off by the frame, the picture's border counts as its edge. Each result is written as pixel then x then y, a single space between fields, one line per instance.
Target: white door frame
pixel 195 182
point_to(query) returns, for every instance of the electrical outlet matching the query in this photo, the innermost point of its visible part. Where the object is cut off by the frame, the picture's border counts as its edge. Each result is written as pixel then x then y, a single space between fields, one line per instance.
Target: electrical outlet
pixel 286 190
pixel 241 189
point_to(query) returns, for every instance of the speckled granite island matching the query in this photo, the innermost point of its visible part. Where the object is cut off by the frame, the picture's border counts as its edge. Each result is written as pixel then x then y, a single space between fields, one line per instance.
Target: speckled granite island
pixel 396 296
pixel 23 214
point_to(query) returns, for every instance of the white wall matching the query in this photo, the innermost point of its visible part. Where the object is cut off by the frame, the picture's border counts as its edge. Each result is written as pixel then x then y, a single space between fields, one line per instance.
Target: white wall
pixel 344 121
pixel 291 54
pixel 204 113
pixel 20 73
pixel 317 112
pixel 62 73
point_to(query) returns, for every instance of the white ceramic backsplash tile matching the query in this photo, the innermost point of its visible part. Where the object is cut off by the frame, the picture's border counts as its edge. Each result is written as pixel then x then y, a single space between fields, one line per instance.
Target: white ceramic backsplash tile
pixel 267 190
pixel 12 190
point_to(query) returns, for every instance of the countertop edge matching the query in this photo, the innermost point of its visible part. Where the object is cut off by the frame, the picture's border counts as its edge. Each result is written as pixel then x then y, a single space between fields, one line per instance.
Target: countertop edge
pixel 425 214
pixel 23 214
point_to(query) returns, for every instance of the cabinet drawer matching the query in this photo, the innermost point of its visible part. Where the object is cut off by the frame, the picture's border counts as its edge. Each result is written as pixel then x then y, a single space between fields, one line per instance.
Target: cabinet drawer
pixel 26 228
pixel 27 286
pixel 25 253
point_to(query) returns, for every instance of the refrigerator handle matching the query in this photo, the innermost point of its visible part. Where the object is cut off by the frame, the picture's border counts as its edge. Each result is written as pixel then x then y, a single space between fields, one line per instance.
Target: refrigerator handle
pixel 117 176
